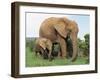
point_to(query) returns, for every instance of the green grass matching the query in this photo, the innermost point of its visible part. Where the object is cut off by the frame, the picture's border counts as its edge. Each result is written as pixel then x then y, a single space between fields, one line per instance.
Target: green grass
pixel 32 60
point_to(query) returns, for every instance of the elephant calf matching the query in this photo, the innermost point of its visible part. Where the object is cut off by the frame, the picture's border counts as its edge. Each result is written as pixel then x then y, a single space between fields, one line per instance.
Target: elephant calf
pixel 43 46
pixel 46 48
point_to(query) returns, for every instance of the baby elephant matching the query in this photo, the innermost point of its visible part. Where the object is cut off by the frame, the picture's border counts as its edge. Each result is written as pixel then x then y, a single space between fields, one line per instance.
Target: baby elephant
pixel 43 46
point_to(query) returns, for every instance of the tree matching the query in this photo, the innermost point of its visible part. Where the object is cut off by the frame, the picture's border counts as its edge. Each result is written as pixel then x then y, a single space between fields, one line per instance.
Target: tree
pixel 84 45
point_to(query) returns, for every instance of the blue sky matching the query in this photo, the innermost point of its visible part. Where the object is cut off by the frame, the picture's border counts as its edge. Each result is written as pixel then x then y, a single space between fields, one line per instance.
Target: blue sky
pixel 34 20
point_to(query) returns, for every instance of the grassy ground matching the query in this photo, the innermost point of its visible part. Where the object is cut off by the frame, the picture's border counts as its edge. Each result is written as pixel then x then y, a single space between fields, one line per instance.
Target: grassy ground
pixel 32 60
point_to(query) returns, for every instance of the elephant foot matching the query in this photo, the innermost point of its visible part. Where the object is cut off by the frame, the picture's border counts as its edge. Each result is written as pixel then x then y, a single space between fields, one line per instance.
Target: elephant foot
pixel 64 56
pixel 73 59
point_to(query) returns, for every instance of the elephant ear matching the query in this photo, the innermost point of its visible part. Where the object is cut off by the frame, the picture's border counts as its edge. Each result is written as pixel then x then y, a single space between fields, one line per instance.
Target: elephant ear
pixel 61 29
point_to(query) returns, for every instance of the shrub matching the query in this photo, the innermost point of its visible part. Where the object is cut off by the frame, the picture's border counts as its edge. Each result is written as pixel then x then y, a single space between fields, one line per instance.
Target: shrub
pixel 30 42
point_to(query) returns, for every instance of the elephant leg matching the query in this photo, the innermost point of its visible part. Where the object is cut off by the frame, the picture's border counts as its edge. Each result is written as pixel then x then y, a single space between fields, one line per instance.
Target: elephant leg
pixel 50 51
pixel 59 54
pixel 63 47
pixel 50 55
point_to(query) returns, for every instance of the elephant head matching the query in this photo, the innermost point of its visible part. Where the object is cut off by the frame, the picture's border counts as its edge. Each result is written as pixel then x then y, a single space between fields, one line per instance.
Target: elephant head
pixel 58 30
pixel 44 47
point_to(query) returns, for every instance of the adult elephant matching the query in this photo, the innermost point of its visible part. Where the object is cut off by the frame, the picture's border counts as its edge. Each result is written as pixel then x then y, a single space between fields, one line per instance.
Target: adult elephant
pixel 57 29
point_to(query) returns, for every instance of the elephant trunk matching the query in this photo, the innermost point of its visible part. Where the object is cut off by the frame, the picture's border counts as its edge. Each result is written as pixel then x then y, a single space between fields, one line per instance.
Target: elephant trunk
pixel 75 48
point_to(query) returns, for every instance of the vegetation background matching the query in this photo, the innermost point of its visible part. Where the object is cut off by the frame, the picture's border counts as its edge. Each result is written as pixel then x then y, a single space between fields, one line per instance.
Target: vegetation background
pixel 32 60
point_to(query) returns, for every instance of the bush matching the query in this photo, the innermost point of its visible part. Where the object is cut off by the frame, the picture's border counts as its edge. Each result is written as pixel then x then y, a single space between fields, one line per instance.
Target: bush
pixel 30 42
pixel 84 45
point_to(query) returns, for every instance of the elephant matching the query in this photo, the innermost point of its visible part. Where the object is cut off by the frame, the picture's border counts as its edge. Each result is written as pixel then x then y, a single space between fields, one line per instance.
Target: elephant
pixel 43 46
pixel 57 29
pixel 69 46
